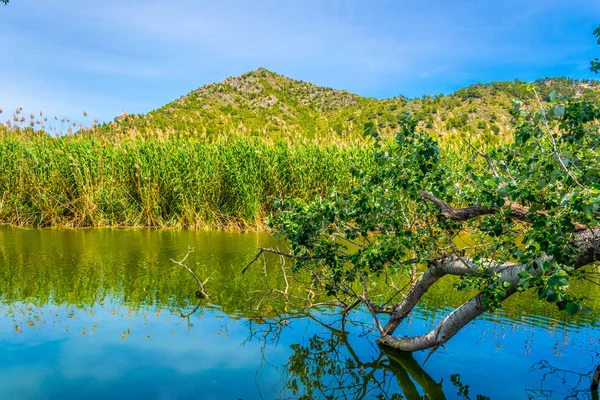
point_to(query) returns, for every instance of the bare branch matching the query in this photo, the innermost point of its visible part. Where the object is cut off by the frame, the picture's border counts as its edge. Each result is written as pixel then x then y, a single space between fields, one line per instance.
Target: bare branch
pixel 553 141
pixel 262 250
pixel 349 308
pixel 517 211
pixel 443 206
pixel 200 292
pixel 253 260
pixel 370 305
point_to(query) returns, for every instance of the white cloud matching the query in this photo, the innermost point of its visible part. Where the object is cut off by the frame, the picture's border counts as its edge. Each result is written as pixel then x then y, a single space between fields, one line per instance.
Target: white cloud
pixel 154 51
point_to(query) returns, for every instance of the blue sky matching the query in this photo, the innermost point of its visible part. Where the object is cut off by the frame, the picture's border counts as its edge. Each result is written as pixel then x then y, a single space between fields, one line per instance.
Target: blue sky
pixel 64 56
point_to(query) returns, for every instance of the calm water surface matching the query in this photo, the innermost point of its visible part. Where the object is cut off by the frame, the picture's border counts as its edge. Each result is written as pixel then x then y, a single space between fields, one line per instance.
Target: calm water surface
pixel 100 314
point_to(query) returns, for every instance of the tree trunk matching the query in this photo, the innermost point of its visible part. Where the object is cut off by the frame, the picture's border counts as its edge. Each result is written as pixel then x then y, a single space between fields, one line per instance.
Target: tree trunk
pixel 587 242
pixel 413 297
pixel 595 379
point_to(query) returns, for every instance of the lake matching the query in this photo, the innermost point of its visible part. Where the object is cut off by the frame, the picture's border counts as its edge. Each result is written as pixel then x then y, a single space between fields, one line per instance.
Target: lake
pixel 105 313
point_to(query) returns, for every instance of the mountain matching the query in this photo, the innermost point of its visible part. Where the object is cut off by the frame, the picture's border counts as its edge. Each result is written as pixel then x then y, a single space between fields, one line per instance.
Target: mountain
pixel 264 104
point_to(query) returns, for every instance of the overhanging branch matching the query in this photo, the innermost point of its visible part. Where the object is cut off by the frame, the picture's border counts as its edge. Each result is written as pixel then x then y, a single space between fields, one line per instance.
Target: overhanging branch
pixel 588 252
pixel 517 211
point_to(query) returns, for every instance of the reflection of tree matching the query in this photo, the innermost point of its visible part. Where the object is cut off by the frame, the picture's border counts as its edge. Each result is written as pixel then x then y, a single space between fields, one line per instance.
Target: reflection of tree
pixel 574 384
pixel 327 366
pixel 463 390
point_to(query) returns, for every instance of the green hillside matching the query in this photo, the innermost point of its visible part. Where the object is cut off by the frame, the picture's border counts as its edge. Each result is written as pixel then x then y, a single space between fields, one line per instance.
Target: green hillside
pixel 264 104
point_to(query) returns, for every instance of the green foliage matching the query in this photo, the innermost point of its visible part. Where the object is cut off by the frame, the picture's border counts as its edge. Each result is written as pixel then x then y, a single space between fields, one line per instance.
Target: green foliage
pixel 198 162
pixel 385 203
pixel 90 181
pixel 595 67
pixel 383 225
pixel 551 167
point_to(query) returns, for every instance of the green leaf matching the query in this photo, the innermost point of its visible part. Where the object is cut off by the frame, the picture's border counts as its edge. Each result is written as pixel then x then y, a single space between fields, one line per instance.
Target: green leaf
pixel 563 282
pixel 561 273
pixel 559 111
pixel 524 274
pixel 489 183
pixel 572 308
pixel 586 310
pixel 553 281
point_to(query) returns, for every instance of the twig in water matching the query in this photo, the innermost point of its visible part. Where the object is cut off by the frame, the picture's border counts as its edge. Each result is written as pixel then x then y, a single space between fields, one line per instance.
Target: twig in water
pixel 262 250
pixel 200 292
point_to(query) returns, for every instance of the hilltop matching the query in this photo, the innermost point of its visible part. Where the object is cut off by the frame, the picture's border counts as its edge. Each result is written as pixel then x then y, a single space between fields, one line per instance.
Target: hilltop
pixel 265 104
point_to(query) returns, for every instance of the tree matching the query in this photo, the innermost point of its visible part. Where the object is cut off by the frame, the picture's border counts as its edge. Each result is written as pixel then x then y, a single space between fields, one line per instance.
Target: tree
pixel 596 62
pixel 530 207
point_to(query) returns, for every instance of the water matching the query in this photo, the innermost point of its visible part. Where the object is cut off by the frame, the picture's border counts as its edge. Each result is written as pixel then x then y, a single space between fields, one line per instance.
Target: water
pixel 100 314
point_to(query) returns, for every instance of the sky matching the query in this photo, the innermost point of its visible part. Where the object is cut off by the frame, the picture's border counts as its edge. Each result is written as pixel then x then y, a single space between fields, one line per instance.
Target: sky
pixel 105 57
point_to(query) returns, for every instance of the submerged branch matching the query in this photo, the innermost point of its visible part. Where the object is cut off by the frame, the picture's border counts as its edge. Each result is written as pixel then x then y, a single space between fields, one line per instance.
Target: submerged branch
pixel 200 292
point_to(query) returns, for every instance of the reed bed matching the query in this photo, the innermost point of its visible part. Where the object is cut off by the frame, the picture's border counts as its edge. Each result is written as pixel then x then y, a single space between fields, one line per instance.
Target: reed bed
pixel 89 181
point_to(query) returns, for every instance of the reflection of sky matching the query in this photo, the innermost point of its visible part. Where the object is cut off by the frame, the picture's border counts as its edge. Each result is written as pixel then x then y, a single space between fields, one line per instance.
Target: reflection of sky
pixel 161 357
pixel 498 358
pixel 116 352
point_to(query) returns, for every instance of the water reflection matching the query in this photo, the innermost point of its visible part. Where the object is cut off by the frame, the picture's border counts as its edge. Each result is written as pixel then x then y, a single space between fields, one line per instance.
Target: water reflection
pixel 574 383
pixel 85 312
pixel 326 365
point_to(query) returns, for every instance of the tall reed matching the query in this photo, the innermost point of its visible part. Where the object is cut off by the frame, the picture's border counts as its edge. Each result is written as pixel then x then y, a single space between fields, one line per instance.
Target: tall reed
pixel 88 181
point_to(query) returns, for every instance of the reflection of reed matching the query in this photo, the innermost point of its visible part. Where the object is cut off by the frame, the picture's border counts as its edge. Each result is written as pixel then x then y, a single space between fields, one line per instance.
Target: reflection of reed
pixel 131 267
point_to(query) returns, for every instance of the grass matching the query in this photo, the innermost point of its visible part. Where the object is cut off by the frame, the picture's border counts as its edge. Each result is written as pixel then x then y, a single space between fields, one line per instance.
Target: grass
pixel 88 181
